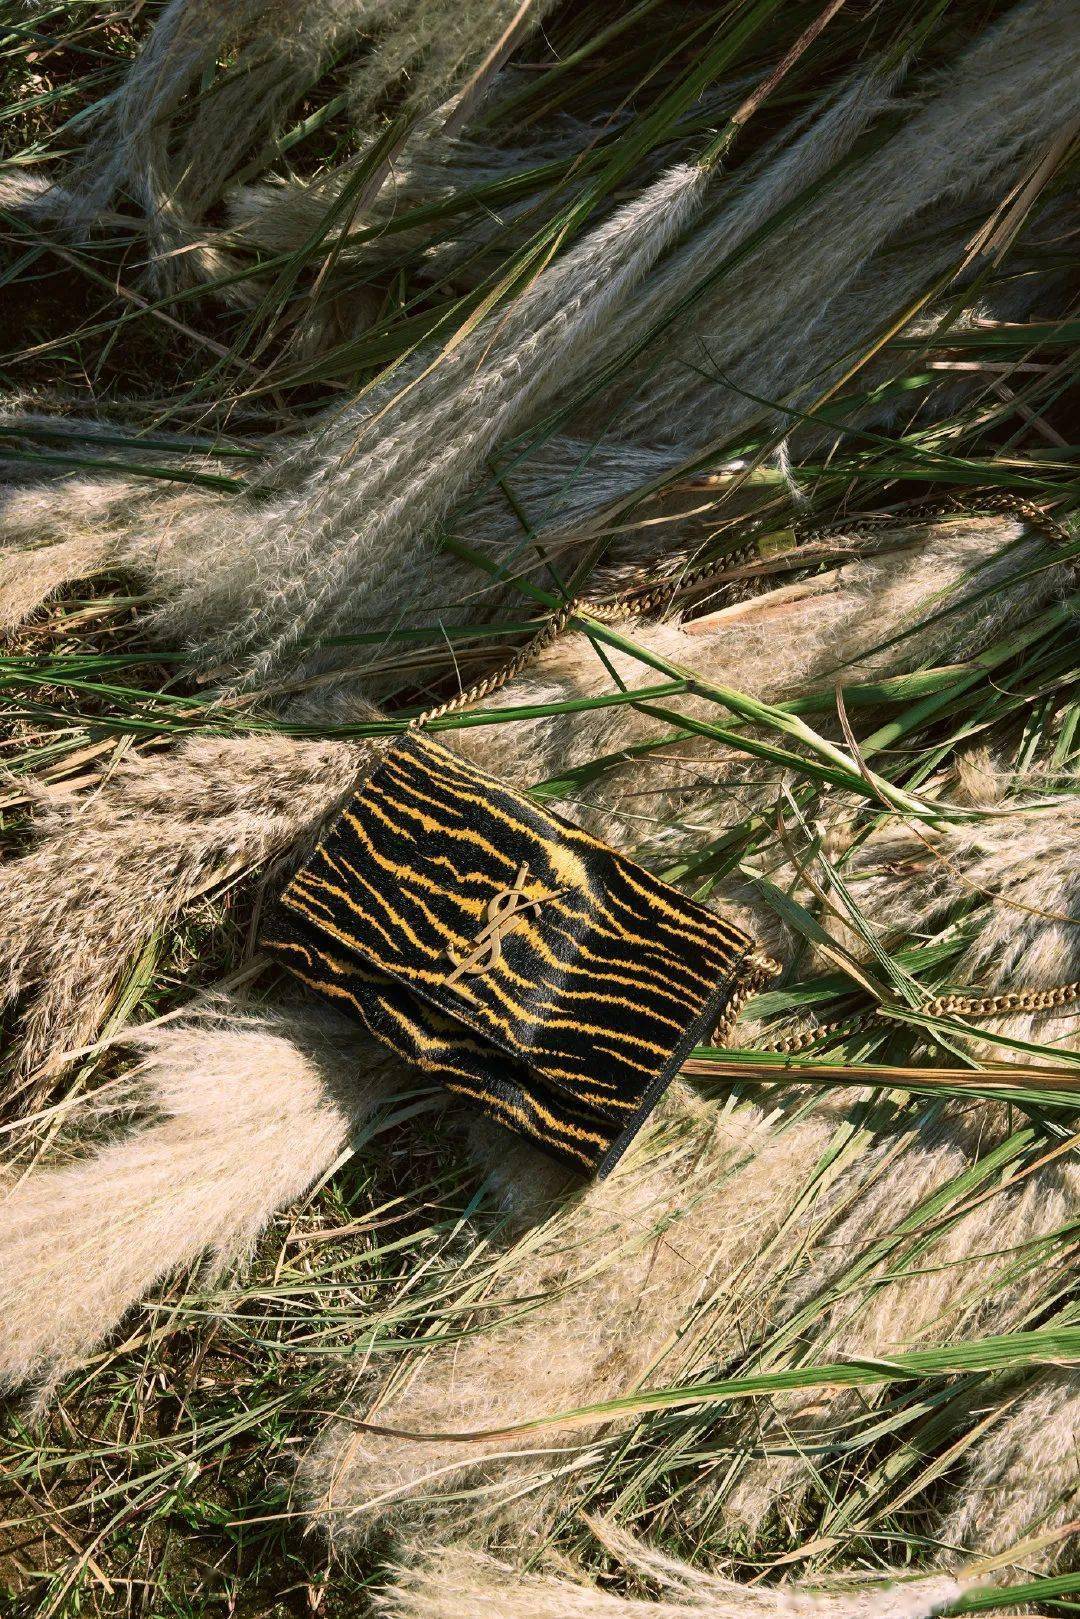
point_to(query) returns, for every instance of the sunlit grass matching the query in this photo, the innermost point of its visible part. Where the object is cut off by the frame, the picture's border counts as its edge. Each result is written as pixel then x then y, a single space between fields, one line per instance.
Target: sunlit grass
pixel 159 1482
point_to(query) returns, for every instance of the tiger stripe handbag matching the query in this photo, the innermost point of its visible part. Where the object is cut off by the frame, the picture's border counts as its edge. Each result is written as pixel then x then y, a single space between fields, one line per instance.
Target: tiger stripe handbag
pixel 493 944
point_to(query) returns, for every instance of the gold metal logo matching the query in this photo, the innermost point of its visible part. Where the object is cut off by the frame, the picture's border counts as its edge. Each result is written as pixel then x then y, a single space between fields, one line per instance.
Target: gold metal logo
pixel 505 910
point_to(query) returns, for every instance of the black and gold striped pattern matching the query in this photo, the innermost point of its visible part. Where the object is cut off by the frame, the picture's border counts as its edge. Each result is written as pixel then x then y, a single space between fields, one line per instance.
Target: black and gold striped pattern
pixel 569 1026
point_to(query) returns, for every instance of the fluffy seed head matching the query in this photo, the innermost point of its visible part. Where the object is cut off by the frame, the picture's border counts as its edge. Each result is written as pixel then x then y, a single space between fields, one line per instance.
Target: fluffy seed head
pixel 245 1110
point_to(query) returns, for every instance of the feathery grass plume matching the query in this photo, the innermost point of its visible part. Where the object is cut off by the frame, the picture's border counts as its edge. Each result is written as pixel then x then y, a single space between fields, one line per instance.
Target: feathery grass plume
pixel 896 278
pixel 461 1584
pixel 175 175
pixel 1015 870
pixel 394 471
pixel 27 191
pixel 563 481
pixel 1018 871
pixel 246 1110
pixel 581 309
pixel 32 194
pixel 165 535
pixel 817 345
pixel 980 1274
pixel 1003 99
pixel 285 216
pixel 30 576
pixel 130 153
pixel 280 215
pixel 105 873
pixel 74 526
pixel 285 51
pixel 56 534
pixel 771 647
pixel 193 548
pixel 776 180
pixel 171 143
pixel 850 619
pixel 434 44
pixel 558 484
pixel 1023 1476
pixel 625 1273
pixel 673 1577
pixel 381 472
pixel 437 44
pixel 238 574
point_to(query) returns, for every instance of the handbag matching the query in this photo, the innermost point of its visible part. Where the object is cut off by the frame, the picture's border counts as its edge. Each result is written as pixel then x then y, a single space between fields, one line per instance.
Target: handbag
pixel 521 961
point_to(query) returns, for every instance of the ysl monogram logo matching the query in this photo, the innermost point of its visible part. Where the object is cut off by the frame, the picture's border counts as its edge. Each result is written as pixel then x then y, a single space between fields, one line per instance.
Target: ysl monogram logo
pixel 505 910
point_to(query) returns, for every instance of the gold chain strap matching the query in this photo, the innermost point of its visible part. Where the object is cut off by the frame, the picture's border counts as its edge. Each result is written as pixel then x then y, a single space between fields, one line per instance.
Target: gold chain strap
pixel 1018 1000
pixel 651 597
pixel 757 972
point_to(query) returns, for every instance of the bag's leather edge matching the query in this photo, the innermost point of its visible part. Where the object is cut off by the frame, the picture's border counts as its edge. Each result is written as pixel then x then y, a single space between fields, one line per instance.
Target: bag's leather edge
pixel 708 1018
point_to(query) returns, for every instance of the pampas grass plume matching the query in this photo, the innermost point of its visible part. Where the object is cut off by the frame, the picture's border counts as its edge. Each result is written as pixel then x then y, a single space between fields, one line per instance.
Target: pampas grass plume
pixel 459 1584
pixel 176 168
pixel 1020 866
pixel 29 577
pixel 246 1110
pixel 969 1280
pixel 1023 1476
pixel 109 870
pixel 389 474
pixel 610 1279
pixel 1006 94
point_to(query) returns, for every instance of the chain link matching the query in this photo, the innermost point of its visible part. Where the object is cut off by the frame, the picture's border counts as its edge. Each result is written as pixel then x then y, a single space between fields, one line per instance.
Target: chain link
pixel 756 973
pixel 787 1045
pixel 969 1006
pixel 652 597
